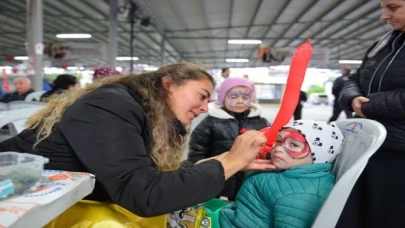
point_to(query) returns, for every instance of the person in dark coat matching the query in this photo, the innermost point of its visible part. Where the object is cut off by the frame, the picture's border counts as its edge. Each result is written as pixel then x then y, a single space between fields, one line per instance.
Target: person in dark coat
pixel 129 131
pixel 22 89
pixel 337 88
pixel 377 92
pixel 232 112
pixel 62 83
pixel 298 109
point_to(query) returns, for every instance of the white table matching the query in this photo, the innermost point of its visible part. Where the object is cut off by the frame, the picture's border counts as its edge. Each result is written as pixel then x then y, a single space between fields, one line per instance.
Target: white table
pixel 59 191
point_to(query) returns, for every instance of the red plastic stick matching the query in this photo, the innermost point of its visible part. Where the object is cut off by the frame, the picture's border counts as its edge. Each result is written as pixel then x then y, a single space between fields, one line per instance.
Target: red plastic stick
pixel 298 66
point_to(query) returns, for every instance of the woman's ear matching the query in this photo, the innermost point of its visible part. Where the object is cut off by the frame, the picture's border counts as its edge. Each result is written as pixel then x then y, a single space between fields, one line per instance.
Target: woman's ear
pixel 167 82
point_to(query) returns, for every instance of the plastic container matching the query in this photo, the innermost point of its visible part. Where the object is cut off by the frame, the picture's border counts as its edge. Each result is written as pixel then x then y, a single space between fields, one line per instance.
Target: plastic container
pixel 20 173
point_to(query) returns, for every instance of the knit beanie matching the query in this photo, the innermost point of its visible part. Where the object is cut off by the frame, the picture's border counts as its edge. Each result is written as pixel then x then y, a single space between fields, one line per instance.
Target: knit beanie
pixel 105 72
pixel 230 83
pixel 324 139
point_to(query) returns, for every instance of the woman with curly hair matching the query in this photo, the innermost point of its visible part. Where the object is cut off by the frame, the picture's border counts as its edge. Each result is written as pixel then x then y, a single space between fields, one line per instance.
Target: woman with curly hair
pixel 129 132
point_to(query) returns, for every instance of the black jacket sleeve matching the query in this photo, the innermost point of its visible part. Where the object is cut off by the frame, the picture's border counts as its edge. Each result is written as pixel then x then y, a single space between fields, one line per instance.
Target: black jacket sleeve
pixel 108 141
pixel 5 98
pixel 385 105
pixel 201 141
pixel 352 88
pixel 350 91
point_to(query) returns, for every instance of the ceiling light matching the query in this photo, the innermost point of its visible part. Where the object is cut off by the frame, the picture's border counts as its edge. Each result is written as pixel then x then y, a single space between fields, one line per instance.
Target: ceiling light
pixel 150 68
pixel 21 57
pixel 237 60
pixel 72 68
pixel 350 61
pixel 244 41
pixel 73 36
pixel 125 58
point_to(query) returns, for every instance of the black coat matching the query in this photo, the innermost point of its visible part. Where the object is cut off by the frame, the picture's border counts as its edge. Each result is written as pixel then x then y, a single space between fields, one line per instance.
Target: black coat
pixel 338 85
pixel 381 78
pixel 216 135
pixel 107 133
pixel 50 93
pixel 15 96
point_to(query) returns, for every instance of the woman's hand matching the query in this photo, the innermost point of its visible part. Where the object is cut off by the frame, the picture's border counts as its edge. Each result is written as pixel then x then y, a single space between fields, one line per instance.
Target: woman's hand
pixel 260 164
pixel 357 103
pixel 243 152
pixel 247 146
pixel 218 157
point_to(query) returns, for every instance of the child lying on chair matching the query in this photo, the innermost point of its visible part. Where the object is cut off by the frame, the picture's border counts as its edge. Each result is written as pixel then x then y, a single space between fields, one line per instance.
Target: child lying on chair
pixel 293 195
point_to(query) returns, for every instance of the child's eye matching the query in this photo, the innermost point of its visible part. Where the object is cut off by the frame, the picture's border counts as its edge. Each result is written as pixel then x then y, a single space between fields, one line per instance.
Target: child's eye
pixel 294 144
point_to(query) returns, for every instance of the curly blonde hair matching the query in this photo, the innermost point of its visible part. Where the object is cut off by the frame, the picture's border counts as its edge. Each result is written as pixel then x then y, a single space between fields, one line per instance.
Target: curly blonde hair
pixel 167 145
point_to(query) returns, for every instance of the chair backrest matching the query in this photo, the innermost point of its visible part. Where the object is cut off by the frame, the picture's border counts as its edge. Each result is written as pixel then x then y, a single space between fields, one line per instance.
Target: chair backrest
pixel 34 96
pixel 362 139
pixel 3 106
pixel 24 104
pixel 10 116
pixel 16 127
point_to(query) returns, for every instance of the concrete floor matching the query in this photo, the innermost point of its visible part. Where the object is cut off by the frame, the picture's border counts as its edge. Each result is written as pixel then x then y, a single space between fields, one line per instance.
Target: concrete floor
pixel 311 112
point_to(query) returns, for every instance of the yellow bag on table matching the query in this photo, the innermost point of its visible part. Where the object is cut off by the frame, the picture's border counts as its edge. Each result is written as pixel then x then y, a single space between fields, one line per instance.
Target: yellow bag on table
pixel 93 214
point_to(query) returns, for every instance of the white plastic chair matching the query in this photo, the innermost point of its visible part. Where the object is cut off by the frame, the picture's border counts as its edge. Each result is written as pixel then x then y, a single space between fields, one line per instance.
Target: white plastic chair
pixel 16 127
pixel 16 115
pixel 3 106
pixel 25 104
pixel 362 139
pixel 35 96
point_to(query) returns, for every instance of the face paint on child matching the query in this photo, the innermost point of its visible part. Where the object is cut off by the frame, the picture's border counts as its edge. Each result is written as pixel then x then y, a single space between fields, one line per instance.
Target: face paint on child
pixel 238 99
pixel 291 149
pixel 294 144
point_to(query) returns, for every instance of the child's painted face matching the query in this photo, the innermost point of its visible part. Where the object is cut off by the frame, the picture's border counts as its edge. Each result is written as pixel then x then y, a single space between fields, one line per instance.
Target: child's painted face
pixel 291 150
pixel 238 99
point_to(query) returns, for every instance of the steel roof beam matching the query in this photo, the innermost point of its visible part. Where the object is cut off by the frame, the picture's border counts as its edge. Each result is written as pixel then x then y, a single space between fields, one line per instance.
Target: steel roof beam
pixel 344 24
pixel 317 19
pixel 303 12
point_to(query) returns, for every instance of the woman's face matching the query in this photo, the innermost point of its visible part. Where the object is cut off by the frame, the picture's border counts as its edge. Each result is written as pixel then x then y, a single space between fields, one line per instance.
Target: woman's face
pixel 189 100
pixel 238 99
pixel 393 11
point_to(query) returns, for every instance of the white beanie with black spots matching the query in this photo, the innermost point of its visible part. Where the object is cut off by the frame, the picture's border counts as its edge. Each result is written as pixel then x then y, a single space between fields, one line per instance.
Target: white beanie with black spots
pixel 324 139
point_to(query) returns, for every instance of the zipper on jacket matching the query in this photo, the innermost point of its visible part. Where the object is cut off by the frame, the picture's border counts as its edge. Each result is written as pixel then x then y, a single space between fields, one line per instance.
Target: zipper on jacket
pixel 393 58
pixel 379 65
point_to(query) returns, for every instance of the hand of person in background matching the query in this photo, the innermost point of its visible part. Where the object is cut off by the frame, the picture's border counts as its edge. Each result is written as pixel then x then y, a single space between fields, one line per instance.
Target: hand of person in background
pixel 357 103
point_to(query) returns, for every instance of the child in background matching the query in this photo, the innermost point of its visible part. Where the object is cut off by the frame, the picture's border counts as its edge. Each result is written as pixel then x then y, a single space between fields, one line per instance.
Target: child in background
pixel 233 111
pixel 293 195
pixel 104 72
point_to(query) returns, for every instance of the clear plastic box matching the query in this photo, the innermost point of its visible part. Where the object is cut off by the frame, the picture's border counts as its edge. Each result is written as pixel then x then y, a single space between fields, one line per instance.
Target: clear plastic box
pixel 20 173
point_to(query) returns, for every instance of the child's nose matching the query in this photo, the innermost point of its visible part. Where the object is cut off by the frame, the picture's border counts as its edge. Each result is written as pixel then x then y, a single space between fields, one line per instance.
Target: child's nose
pixel 277 149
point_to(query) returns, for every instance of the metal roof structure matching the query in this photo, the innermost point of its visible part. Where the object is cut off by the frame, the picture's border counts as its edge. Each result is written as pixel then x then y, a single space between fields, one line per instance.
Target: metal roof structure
pixel 199 30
